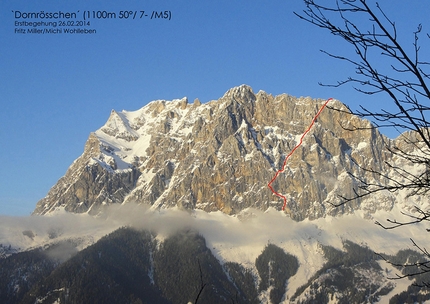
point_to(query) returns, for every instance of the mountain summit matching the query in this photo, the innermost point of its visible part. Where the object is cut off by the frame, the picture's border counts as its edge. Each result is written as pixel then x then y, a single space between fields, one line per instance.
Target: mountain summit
pixel 220 155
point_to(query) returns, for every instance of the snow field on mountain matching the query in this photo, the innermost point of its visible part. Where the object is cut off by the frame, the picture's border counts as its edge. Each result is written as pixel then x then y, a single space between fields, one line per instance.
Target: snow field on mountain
pixel 139 125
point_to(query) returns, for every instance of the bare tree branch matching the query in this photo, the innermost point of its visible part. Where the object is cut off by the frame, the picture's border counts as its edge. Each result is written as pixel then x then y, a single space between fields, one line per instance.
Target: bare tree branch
pixel 383 65
pixel 202 284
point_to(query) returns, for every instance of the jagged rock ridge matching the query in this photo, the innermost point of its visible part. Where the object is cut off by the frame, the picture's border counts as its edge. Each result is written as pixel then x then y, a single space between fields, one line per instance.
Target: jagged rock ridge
pixel 220 155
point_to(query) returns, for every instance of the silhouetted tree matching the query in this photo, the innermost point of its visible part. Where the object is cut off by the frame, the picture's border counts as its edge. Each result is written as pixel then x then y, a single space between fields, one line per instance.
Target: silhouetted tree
pixel 383 65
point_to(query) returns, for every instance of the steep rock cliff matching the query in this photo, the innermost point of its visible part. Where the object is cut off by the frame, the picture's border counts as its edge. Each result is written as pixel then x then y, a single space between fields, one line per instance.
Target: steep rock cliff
pixel 221 155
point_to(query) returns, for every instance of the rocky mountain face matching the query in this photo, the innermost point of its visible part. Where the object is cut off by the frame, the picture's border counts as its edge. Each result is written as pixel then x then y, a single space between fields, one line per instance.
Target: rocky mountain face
pixel 221 155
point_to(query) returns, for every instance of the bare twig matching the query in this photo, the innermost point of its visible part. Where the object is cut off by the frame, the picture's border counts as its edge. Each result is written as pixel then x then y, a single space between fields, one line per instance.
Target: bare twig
pixel 202 284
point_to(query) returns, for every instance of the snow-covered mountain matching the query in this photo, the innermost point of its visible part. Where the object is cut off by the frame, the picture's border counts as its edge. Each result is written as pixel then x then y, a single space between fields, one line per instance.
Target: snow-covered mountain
pixel 192 179
pixel 221 155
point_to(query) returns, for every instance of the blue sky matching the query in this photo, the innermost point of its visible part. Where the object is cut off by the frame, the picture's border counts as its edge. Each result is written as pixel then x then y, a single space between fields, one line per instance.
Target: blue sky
pixel 57 88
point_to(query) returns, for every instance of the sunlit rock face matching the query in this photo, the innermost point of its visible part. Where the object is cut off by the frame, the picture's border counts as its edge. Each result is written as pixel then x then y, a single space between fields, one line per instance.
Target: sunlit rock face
pixel 220 155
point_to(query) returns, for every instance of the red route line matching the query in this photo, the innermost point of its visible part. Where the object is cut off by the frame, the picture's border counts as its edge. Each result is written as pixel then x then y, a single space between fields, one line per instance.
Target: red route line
pixel 292 151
